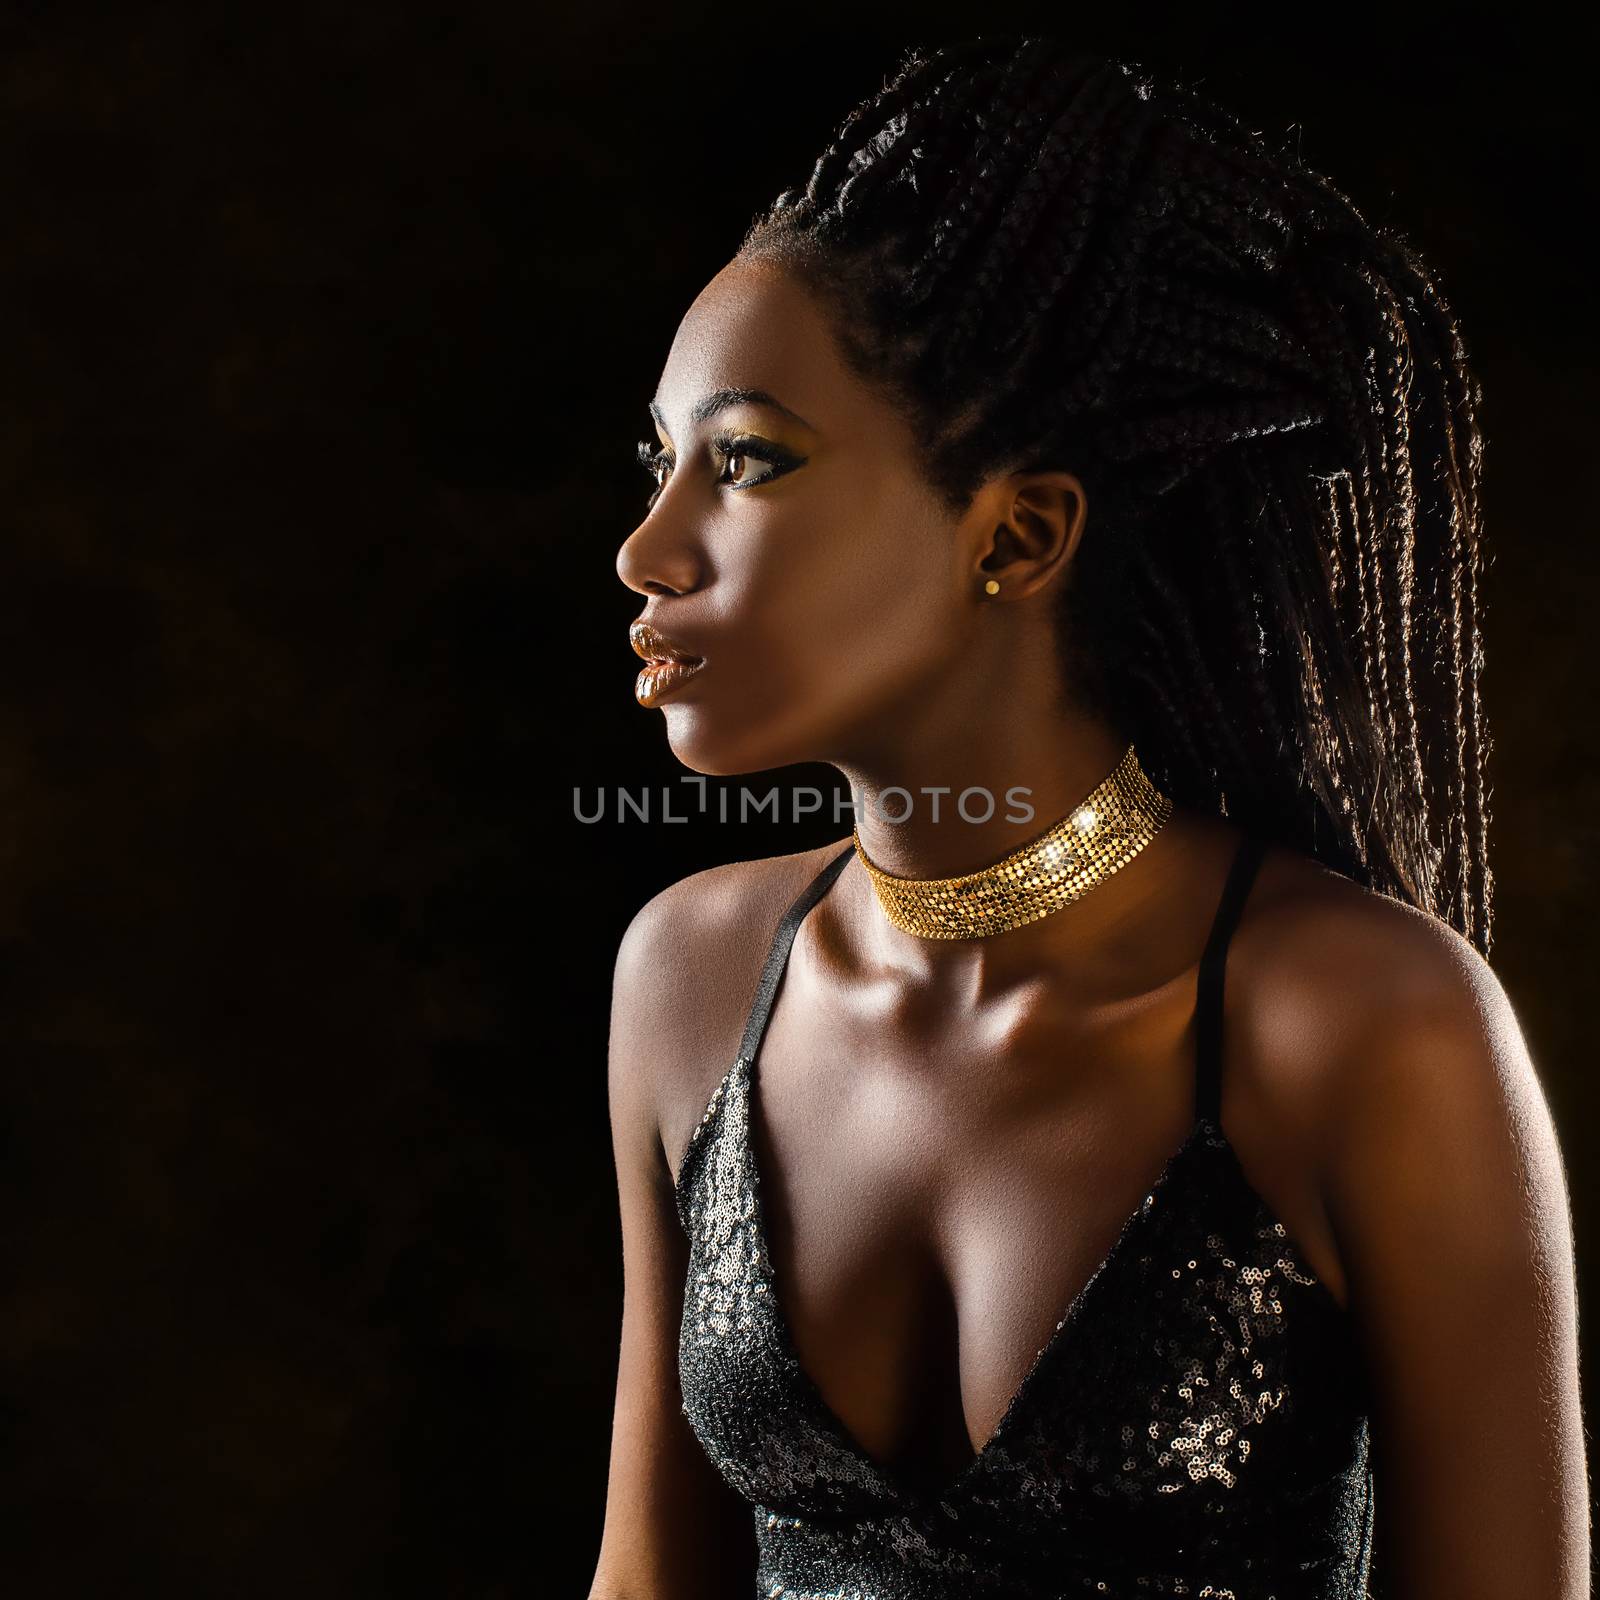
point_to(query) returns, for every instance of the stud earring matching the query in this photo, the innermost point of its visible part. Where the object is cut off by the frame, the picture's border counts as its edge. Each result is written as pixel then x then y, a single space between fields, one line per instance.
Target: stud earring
pixel 991 587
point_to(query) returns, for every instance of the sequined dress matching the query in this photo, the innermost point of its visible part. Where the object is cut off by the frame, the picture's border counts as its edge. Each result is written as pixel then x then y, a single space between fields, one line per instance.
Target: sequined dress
pixel 1196 1424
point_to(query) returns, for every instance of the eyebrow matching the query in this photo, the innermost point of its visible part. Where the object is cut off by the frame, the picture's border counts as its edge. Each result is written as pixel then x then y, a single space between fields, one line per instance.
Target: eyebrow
pixel 722 399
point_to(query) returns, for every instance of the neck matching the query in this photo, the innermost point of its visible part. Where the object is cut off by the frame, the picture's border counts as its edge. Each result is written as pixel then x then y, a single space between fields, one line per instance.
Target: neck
pixel 968 803
pixel 1039 759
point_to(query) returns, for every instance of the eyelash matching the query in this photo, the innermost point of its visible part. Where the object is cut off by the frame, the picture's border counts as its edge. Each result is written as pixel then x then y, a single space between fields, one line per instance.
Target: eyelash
pixel 725 445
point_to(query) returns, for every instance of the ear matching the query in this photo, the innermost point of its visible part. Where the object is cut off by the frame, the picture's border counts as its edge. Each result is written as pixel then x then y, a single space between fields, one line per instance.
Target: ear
pixel 1032 523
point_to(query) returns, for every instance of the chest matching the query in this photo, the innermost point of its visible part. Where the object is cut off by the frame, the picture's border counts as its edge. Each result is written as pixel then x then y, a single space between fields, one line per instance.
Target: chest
pixel 1196 1354
pixel 935 1196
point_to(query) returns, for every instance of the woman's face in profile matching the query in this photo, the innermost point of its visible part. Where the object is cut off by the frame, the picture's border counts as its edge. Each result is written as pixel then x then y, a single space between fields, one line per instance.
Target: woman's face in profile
pixel 794 544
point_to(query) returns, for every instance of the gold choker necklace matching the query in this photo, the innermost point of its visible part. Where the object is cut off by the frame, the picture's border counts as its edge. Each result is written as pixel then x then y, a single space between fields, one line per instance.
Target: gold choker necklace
pixel 1111 826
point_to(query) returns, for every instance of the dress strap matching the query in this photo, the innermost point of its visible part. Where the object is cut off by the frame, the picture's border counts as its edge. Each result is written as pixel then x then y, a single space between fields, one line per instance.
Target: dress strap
pixel 1213 967
pixel 778 954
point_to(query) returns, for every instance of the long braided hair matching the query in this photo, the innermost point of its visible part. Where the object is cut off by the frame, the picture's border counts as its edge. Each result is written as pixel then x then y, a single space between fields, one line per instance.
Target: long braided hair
pixel 1046 258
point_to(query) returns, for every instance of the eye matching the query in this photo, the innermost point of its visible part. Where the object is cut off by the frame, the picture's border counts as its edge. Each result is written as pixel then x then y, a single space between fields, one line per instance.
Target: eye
pixel 739 453
pixel 655 462
pixel 740 450
pixel 737 460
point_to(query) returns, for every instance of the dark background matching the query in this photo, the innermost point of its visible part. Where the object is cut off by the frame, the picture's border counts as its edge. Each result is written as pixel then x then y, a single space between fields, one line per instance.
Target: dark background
pixel 327 333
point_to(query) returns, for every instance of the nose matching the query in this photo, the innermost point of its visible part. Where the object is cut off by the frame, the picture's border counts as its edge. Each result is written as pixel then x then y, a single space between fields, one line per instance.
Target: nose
pixel 656 559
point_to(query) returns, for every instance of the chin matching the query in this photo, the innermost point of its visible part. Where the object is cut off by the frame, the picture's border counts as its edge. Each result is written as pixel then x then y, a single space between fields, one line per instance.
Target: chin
pixel 720 747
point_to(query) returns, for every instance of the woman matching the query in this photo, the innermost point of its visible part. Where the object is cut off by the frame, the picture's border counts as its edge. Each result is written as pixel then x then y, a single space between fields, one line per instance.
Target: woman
pixel 1061 441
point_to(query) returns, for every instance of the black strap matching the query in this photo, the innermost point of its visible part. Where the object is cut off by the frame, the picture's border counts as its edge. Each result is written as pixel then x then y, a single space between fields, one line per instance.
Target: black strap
pixel 778 954
pixel 1213 967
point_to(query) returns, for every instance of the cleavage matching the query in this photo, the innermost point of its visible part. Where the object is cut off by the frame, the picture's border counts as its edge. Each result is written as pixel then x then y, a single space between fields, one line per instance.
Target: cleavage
pixel 929 1222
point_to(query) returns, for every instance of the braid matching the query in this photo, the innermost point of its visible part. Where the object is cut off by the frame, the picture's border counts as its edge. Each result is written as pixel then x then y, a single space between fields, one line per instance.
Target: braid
pixel 1022 113
pixel 834 162
pixel 1048 258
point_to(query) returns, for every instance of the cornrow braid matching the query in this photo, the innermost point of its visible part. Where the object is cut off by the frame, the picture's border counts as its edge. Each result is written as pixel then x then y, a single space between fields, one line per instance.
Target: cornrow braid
pixel 1050 258
pixel 918 81
pixel 975 309
pixel 1017 104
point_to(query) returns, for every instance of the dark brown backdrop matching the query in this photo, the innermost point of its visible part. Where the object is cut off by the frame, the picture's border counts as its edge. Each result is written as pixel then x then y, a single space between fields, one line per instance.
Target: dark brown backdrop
pixel 327 332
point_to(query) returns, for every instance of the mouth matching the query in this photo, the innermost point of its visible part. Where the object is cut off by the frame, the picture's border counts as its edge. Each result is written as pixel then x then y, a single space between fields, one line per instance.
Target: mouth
pixel 667 664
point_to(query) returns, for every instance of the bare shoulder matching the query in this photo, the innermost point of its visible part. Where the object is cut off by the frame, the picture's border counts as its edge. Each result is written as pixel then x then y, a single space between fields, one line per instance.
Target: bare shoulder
pixel 686 973
pixel 1341 968
pixel 1365 1022
pixel 1389 1045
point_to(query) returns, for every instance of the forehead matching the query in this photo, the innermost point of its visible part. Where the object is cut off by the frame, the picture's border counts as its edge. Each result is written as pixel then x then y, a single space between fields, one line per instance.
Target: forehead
pixel 754 326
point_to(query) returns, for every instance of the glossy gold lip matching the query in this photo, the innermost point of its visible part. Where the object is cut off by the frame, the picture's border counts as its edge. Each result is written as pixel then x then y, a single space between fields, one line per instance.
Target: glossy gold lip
pixel 652 645
pixel 657 679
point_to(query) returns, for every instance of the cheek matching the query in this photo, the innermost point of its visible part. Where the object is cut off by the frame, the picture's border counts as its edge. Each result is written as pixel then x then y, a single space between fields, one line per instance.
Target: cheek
pixel 829 616
pixel 849 620
pixel 890 604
